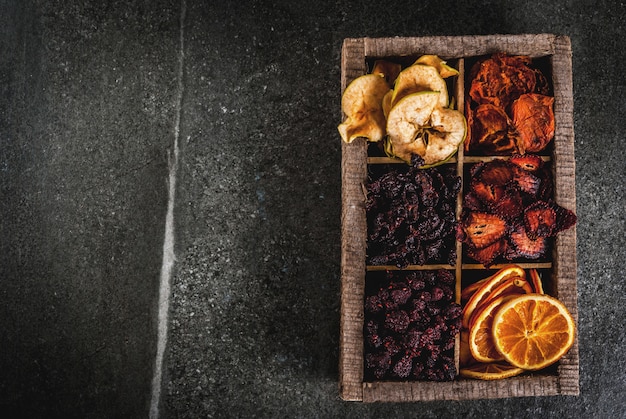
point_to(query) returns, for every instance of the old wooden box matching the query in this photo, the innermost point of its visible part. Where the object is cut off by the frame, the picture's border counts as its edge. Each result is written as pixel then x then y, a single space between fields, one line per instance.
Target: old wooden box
pixel 560 268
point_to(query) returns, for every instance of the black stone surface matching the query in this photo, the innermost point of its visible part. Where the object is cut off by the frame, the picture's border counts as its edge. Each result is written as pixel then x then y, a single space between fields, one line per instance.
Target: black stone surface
pixel 88 111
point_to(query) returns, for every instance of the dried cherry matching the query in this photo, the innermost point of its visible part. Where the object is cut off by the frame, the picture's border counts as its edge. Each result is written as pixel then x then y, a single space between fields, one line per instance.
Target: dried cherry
pixel 411 217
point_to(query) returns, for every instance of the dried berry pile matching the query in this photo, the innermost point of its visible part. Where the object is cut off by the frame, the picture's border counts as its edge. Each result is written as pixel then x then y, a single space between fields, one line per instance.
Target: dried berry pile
pixel 509 212
pixel 411 322
pixel 411 216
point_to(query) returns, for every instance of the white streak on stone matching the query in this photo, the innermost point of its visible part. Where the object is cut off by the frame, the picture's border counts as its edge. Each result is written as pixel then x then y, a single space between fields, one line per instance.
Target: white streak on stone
pixel 169 256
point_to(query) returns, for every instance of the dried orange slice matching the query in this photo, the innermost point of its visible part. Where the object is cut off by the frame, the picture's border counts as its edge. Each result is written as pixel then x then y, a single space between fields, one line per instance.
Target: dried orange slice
pixel 535 281
pixel 469 290
pixel 490 371
pixel 480 295
pixel 533 331
pixel 481 343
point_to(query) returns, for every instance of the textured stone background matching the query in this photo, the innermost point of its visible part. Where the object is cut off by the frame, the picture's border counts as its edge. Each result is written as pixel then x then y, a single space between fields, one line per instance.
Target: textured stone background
pixel 88 110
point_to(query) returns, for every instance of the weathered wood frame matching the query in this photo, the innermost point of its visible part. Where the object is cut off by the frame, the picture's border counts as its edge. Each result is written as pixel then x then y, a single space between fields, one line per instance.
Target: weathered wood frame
pixel 355 53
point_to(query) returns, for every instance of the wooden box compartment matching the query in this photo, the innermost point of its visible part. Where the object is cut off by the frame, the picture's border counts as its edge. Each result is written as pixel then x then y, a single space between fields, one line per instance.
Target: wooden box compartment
pixel 553 52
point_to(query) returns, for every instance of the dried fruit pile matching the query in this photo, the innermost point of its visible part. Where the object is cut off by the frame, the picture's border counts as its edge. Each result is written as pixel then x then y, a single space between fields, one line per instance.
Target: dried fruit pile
pixel 508 215
pixel 411 322
pixel 409 109
pixel 511 326
pixel 508 107
pixel 411 216
pixel 509 211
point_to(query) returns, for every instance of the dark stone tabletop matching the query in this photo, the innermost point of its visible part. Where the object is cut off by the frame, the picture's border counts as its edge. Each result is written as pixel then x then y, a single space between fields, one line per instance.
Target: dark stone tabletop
pixel 170 190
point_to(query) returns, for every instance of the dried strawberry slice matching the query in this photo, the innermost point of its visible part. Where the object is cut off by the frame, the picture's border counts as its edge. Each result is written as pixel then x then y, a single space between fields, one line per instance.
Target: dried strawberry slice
pixel 540 220
pixel 476 169
pixel 487 255
pixel 482 229
pixel 564 218
pixel 525 246
pixel 472 202
pixel 497 172
pixel 509 206
pixel 486 192
pixel 526 181
pixel 528 162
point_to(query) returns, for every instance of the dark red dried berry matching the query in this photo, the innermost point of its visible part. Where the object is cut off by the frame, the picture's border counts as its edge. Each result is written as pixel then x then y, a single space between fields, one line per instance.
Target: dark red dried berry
pixel 397 321
pixel 403 367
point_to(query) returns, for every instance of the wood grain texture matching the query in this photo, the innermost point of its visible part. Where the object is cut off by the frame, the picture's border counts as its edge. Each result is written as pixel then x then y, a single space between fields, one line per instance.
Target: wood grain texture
pixel 355 54
pixel 447 47
pixel 565 266
pixel 353 242
pixel 462 389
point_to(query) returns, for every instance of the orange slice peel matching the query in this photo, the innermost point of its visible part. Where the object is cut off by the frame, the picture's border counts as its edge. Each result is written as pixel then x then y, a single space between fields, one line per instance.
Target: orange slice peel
pixel 533 331
pixel 483 292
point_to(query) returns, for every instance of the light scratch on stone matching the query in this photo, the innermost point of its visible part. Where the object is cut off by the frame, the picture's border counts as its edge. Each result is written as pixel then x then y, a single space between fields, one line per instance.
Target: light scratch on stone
pixel 168 242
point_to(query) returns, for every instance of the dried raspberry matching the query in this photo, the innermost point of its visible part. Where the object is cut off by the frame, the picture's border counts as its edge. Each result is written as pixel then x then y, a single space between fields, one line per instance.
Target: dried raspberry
pixel 397 321
pixel 445 277
pixel 448 368
pixel 379 363
pixel 392 346
pixel 373 304
pixel 400 293
pixel 416 282
pixel 436 293
pixel 430 277
pixel 433 309
pixel 430 336
pixel 419 304
pixel 424 296
pixel 412 339
pixel 448 293
pixel 403 367
pixel 418 370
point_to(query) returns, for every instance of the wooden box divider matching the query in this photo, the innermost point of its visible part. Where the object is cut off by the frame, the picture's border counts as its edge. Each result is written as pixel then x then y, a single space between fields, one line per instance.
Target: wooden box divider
pixel 562 380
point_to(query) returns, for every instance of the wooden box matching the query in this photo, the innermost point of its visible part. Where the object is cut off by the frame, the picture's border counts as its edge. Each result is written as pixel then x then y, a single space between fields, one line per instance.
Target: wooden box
pixel 560 268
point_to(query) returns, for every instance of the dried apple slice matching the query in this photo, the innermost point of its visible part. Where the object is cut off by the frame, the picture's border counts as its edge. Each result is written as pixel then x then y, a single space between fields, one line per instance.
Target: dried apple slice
pixel 387 103
pixel 417 125
pixel 444 69
pixel 387 69
pixel 447 134
pixel 420 78
pixel 406 121
pixel 362 103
